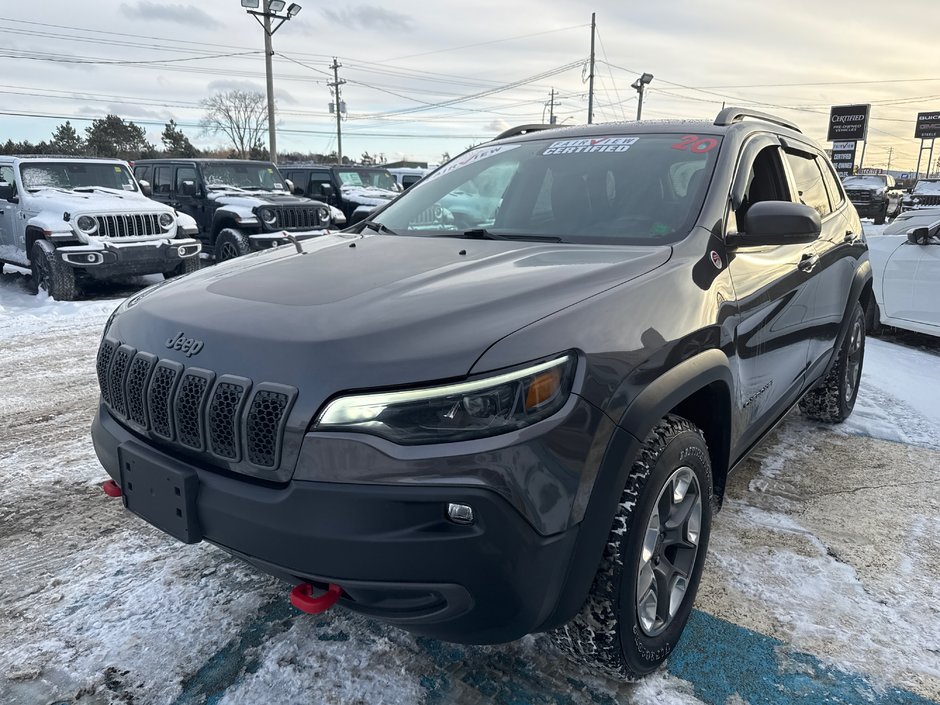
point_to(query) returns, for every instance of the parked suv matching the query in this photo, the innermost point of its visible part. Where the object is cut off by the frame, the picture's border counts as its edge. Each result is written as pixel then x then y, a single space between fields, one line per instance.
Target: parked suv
pixel 925 194
pixel 73 219
pixel 355 190
pixel 240 206
pixel 874 196
pixel 522 426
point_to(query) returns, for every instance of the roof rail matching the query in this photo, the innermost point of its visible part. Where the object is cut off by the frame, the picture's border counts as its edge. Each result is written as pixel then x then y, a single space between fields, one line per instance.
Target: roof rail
pixel 729 116
pixel 522 130
pixel 63 156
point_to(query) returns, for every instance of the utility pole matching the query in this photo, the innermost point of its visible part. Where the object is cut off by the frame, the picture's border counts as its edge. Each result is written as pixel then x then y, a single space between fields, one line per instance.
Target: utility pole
pixel 337 82
pixel 890 152
pixel 591 74
pixel 269 71
pixel 551 110
pixel 639 85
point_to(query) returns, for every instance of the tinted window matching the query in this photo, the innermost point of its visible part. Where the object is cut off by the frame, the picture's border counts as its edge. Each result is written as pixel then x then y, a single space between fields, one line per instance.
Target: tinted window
pixel 142 173
pixel 623 189
pixel 808 180
pixel 184 173
pixel 161 179
pixel 836 195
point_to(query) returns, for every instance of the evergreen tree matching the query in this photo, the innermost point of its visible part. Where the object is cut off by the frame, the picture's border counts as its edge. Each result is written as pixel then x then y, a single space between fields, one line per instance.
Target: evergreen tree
pixel 175 143
pixel 113 137
pixel 66 140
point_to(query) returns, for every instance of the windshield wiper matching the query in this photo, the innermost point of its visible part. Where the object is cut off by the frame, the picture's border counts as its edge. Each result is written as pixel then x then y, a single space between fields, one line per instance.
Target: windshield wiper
pixel 484 234
pixel 378 227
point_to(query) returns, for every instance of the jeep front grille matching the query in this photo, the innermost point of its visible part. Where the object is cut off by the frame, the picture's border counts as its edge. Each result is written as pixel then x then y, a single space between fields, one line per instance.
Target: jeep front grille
pixel 131 225
pixel 228 418
pixel 296 219
pixel 928 200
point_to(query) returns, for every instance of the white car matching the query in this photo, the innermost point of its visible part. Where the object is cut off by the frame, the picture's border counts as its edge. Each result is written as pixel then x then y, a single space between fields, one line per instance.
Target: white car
pixel 905 261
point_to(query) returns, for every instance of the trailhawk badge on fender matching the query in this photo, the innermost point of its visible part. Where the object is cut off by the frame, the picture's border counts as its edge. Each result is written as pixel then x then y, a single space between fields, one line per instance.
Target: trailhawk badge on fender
pixel 716 259
pixel 187 346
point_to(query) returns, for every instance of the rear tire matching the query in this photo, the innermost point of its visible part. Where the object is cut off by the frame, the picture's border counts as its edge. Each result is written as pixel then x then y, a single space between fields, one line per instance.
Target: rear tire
pixel 637 607
pixel 882 217
pixel 51 274
pixel 231 243
pixel 832 400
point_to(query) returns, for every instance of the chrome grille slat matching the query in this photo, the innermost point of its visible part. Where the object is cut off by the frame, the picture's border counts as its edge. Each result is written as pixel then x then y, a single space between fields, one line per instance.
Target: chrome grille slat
pixel 293 218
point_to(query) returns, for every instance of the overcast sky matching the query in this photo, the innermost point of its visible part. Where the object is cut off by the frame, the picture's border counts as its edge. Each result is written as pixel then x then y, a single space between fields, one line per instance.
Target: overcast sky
pixel 401 59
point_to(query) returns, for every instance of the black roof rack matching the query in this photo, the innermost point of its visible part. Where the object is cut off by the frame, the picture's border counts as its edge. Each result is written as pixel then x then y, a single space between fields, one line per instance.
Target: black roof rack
pixel 522 130
pixel 729 116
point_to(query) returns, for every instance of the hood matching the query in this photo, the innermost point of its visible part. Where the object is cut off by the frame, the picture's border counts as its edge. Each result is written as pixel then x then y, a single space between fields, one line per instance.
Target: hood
pixel 364 312
pixel 253 199
pixel 100 200
pixel 368 195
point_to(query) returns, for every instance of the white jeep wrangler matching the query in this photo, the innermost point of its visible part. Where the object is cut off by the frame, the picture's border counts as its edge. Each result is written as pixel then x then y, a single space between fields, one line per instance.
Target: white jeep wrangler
pixel 71 219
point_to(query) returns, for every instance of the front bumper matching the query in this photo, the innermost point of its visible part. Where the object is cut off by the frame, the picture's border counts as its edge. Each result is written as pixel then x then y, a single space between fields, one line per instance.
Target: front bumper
pixel 390 547
pixel 105 258
pixel 870 209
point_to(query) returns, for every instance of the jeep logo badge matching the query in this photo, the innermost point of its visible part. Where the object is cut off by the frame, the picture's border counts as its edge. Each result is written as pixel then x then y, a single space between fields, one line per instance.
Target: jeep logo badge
pixel 187 346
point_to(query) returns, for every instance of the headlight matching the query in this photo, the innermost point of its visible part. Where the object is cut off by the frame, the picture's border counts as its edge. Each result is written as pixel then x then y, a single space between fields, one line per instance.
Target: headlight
pixel 268 216
pixel 86 224
pixel 166 221
pixel 455 412
pixel 323 216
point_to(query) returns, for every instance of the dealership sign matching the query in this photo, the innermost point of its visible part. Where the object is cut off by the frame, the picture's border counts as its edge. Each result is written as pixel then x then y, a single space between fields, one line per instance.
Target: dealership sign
pixel 843 157
pixel 848 122
pixel 928 126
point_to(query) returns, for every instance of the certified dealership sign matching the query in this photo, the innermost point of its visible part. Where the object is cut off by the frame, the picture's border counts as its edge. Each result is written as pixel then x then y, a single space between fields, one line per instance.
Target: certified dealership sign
pixel 843 157
pixel 928 126
pixel 848 122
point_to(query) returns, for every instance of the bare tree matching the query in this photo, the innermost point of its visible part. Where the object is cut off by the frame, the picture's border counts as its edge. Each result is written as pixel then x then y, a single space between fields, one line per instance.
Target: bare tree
pixel 240 115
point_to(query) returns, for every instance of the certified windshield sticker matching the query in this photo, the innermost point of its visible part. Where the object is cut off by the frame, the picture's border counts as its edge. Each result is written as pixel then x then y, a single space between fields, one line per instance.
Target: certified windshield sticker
pixel 606 145
pixel 473 157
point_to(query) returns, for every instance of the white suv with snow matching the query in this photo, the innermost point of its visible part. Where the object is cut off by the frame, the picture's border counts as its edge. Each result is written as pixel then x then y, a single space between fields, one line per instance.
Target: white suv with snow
pixel 71 219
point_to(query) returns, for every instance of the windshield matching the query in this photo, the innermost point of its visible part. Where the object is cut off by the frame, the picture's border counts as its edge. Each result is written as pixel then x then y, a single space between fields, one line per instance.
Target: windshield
pixel 876 181
pixel 377 178
pixel 619 189
pixel 924 186
pixel 73 175
pixel 258 176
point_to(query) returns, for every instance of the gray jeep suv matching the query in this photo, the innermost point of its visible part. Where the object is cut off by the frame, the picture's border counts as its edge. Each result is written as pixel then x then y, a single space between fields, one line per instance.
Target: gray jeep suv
pixel 525 425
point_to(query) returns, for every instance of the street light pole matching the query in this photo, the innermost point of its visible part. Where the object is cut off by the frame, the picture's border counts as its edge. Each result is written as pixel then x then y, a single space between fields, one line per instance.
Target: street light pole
pixel 269 73
pixel 269 11
pixel 640 85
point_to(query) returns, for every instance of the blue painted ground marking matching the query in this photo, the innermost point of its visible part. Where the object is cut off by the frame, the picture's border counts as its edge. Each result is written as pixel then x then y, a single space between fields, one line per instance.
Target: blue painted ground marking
pixel 721 659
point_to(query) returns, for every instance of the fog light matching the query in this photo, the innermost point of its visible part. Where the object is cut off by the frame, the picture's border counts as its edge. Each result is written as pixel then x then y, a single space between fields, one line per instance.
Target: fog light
pixel 460 513
pixel 91 258
pixel 182 251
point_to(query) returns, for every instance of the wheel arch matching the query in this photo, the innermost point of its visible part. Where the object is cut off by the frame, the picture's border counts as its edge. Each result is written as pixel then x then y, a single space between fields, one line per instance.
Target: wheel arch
pixel 862 291
pixel 33 234
pixel 692 389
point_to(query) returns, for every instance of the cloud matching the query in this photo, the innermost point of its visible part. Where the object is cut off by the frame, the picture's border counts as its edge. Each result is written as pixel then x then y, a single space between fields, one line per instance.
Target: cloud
pixel 497 125
pixel 181 14
pixel 224 85
pixel 370 17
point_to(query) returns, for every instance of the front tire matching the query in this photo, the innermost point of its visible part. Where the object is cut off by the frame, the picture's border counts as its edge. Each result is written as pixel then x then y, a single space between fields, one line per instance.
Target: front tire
pixel 231 243
pixel 832 400
pixel 51 274
pixel 187 266
pixel 882 216
pixel 649 574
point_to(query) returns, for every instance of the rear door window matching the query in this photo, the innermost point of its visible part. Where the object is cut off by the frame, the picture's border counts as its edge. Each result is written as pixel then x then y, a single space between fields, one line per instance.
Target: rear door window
pixel 161 179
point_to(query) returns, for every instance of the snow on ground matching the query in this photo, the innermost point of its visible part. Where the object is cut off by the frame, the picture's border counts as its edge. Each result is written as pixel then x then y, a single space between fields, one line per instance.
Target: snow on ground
pixel 829 542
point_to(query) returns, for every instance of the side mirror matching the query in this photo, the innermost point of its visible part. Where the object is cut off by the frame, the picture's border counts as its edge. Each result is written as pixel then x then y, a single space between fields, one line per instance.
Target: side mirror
pixel 326 190
pixel 777 223
pixel 146 188
pixel 8 193
pixel 918 236
pixel 188 188
pixel 290 186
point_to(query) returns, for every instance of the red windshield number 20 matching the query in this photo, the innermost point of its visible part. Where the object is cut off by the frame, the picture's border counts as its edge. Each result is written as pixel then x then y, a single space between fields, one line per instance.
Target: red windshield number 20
pixel 696 144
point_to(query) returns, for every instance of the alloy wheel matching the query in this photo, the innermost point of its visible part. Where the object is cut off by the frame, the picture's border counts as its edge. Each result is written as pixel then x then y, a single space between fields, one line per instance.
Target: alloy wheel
pixel 853 364
pixel 670 546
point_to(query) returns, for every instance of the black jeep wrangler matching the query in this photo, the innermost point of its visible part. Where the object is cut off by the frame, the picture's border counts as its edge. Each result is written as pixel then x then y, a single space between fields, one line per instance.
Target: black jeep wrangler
pixel 355 190
pixel 240 206
pixel 521 426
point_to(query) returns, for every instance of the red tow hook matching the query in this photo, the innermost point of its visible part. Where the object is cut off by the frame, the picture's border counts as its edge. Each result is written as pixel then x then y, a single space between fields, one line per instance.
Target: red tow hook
pixel 302 598
pixel 111 488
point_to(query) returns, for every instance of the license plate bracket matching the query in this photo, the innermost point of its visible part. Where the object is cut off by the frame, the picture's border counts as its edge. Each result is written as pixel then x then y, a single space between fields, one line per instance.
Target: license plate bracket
pixel 161 492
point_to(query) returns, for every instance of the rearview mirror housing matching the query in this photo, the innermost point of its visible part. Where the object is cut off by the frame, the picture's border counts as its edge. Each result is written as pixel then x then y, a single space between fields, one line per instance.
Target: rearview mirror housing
pixel 918 236
pixel 777 223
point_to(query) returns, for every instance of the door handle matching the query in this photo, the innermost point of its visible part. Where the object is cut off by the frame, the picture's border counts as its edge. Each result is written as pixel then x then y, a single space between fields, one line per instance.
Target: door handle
pixel 808 261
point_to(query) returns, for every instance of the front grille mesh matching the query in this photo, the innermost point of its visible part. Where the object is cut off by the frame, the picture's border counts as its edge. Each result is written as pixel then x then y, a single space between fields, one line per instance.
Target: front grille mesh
pixel 130 225
pixel 264 418
pixel 296 218
pixel 230 419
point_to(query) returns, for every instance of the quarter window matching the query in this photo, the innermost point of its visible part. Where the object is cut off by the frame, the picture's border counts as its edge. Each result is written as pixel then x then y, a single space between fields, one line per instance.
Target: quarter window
pixel 836 195
pixel 808 180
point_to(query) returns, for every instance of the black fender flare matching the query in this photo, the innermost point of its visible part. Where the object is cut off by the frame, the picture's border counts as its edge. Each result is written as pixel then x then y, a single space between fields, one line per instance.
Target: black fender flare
pixel 221 219
pixel 657 399
pixel 863 278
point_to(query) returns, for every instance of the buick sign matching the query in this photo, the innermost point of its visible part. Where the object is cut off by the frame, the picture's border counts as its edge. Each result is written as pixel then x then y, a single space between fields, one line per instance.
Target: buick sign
pixel 928 126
